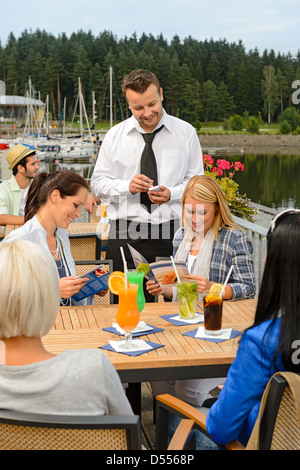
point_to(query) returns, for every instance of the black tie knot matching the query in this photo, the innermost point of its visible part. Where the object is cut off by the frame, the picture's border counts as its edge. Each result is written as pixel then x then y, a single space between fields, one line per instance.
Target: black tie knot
pixel 148 138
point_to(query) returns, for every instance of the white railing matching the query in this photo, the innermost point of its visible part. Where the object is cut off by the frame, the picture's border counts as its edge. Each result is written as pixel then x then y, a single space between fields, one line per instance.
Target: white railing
pixel 258 238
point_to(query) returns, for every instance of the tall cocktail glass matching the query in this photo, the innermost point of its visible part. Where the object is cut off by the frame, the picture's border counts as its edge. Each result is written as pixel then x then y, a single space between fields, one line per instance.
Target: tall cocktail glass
pixel 135 277
pixel 128 315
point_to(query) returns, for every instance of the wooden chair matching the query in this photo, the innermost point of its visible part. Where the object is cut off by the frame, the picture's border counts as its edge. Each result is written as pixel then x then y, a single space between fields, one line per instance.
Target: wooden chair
pixel 85 266
pixel 85 246
pixel 166 404
pixel 277 426
pixel 28 431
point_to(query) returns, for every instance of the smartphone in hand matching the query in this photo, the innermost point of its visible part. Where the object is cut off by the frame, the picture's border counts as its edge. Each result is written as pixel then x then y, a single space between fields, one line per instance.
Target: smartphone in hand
pixel 154 188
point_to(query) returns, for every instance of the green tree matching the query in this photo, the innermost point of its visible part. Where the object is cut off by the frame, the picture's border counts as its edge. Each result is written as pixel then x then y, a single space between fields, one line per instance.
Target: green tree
pixel 209 101
pixel 82 68
pixel 290 116
pixel 270 91
pixel 252 125
pixel 237 123
pixel 226 105
pixel 213 71
pixel 254 77
pixel 243 92
pixel 13 77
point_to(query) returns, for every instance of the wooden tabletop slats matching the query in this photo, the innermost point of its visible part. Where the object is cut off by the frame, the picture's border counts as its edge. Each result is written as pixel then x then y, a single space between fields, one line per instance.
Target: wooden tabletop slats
pixel 82 327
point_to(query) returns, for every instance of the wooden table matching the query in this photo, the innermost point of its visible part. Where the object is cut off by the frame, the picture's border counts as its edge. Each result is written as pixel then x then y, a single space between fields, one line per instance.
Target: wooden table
pixel 10 228
pixel 182 357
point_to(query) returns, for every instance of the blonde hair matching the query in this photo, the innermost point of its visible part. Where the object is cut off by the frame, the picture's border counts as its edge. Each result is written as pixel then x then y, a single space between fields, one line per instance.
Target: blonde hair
pixel 29 290
pixel 206 189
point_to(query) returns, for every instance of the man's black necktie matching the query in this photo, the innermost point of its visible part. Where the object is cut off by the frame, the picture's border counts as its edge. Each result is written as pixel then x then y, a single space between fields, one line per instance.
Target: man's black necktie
pixel 148 165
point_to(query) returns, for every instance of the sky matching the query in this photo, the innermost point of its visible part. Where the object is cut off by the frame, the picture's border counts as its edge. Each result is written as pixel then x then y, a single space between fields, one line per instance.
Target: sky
pixel 261 24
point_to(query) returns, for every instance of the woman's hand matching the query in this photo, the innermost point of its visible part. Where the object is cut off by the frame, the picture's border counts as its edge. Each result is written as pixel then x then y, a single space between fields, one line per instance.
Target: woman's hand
pixel 70 285
pixel 203 283
pixel 102 292
pixel 153 288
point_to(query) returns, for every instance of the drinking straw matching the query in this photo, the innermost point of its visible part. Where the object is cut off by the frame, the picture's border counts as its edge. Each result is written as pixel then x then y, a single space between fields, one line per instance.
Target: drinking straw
pixel 125 266
pixel 174 266
pixel 226 280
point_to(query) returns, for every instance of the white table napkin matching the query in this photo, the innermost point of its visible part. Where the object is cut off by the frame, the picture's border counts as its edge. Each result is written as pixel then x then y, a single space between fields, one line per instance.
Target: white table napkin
pixel 141 345
pixel 197 317
pixel 141 326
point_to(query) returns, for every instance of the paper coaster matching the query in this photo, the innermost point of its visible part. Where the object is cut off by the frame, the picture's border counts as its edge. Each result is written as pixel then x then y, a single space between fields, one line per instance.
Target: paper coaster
pixel 149 331
pixel 224 336
pixel 175 320
pixel 137 352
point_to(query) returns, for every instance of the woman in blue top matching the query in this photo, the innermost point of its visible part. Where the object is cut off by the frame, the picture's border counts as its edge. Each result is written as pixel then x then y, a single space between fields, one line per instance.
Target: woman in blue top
pixel 270 345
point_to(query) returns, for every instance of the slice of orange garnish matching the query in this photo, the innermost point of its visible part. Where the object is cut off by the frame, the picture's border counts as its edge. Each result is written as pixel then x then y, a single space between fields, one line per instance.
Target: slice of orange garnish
pixel 116 280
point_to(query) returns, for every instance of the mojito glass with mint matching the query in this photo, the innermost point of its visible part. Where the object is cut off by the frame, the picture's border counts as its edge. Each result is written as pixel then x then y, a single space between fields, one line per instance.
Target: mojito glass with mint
pixel 187 298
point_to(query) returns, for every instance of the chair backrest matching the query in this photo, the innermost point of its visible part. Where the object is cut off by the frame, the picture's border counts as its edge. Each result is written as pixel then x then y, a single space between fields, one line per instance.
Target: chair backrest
pixel 83 267
pixel 278 423
pixel 25 431
pixel 85 246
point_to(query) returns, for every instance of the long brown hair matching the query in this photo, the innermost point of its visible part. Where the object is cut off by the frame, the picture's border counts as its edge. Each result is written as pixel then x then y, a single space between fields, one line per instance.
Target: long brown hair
pixel 67 182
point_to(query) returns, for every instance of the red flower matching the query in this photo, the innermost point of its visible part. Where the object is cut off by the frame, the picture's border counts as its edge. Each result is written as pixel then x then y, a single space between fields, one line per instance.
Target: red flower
pixel 207 159
pixel 223 164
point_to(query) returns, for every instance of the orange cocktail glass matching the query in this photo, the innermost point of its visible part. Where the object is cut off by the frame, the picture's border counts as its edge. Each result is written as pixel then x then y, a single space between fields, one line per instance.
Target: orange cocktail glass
pixel 128 315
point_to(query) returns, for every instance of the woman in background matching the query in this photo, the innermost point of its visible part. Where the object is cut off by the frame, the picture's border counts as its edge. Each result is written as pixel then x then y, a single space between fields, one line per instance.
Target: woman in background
pixel 53 201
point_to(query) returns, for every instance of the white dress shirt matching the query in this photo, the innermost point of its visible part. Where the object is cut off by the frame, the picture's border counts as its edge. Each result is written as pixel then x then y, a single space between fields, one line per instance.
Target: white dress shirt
pixel 178 157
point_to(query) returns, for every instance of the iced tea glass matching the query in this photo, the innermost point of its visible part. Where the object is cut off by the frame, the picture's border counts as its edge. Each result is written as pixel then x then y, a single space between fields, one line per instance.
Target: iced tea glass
pixel 213 308
pixel 128 315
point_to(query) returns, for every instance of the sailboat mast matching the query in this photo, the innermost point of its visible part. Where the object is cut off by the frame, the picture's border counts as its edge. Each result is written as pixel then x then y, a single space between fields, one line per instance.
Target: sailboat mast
pixel 110 96
pixel 80 105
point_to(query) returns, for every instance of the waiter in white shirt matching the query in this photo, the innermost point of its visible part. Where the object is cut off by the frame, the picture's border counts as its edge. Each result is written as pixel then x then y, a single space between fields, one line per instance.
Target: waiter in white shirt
pixel 122 176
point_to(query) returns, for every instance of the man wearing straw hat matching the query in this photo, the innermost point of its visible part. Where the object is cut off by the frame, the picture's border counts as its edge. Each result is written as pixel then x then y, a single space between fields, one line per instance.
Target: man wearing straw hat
pixel 13 192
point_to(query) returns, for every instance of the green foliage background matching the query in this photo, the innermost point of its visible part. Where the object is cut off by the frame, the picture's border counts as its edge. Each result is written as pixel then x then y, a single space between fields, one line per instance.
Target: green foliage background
pixel 202 80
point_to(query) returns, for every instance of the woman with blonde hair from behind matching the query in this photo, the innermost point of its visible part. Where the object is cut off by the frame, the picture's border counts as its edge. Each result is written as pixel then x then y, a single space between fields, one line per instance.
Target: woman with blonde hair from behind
pixel 33 379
